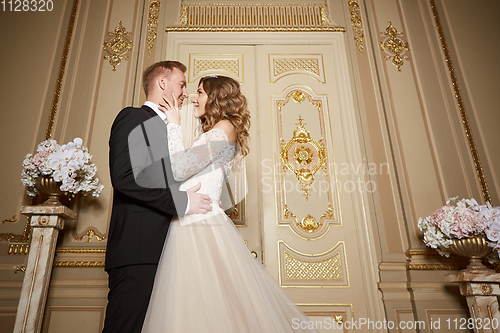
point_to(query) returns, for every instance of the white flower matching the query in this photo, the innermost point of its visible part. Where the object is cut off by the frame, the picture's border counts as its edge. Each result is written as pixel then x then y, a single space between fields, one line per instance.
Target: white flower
pixel 78 142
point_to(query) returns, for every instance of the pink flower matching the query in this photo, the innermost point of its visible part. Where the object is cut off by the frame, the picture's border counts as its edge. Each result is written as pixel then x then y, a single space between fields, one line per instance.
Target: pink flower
pixel 438 216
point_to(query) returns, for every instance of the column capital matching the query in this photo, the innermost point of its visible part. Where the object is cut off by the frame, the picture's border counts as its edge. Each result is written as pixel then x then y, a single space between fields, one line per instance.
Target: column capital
pixel 48 216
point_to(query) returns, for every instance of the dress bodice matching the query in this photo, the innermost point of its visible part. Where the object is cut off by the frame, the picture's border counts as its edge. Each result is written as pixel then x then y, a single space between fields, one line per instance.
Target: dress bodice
pixel 207 162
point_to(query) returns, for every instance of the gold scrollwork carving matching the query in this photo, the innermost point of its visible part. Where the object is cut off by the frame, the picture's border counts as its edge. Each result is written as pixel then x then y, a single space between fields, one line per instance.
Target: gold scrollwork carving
pixel 287 213
pixel 20 269
pixel 394 46
pixel 14 219
pixel 303 156
pixel 357 24
pixel 90 234
pixel 117 46
pixel 461 105
pixel 154 8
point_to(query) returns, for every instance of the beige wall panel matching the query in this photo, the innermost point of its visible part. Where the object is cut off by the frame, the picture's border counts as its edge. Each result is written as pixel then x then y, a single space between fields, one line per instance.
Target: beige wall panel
pixel 32 44
pixel 73 319
pixel 109 98
pixel 477 71
pixel 416 157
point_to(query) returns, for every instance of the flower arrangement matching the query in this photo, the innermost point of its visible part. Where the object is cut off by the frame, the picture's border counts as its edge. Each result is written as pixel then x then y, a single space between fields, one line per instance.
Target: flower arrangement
pixel 460 219
pixel 69 164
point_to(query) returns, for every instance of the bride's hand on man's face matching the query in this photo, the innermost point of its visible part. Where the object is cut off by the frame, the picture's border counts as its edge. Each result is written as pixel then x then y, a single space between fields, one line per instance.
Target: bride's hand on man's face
pixel 171 110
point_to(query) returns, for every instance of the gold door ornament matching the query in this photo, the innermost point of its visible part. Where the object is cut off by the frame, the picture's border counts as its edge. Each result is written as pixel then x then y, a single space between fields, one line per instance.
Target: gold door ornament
pixel 201 64
pixel 288 64
pixel 394 46
pixel 117 46
pixel 303 156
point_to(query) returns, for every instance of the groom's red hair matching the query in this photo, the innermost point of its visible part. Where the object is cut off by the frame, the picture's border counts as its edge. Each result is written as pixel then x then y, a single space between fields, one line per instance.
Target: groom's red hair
pixel 159 68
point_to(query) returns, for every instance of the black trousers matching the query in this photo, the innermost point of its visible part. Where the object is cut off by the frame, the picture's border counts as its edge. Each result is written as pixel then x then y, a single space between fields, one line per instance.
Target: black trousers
pixel 130 289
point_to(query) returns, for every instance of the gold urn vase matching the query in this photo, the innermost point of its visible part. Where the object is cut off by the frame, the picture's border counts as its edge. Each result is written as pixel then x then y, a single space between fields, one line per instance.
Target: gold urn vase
pixel 474 248
pixel 47 185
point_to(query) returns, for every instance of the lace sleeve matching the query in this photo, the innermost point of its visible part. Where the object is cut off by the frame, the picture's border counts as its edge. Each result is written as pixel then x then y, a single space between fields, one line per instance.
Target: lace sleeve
pixel 213 146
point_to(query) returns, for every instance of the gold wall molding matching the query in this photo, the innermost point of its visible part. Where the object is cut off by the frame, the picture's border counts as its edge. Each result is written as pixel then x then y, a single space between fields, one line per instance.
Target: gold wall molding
pixel 19 248
pixel 357 24
pixel 328 269
pixel 253 17
pixel 410 253
pixel 394 46
pixel 79 264
pixel 19 238
pixel 288 64
pixel 433 267
pixel 91 233
pixel 14 219
pixel 154 9
pixel 461 106
pixel 62 68
pixel 80 250
pixel 117 45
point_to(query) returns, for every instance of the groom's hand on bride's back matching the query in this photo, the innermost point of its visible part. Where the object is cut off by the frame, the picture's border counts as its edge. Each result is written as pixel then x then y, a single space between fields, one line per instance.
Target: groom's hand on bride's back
pixel 198 203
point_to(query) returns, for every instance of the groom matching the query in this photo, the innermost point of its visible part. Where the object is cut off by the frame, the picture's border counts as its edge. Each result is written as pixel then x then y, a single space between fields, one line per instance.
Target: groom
pixel 145 198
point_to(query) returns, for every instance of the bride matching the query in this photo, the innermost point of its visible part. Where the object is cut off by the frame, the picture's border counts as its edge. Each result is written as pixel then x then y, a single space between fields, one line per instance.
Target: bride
pixel 207 279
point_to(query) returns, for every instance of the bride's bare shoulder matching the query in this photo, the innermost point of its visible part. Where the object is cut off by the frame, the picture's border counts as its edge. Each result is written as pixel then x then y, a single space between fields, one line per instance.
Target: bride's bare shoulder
pixel 228 128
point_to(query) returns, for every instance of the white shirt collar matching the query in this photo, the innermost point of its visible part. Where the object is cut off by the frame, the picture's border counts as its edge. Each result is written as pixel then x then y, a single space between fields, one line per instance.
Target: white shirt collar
pixel 157 110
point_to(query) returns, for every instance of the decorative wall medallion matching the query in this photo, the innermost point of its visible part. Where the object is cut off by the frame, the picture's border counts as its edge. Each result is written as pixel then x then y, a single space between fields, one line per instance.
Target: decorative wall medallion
pixel 303 156
pixel 224 64
pixel 253 17
pixel 327 269
pixel 394 46
pixel 154 8
pixel 90 234
pixel 287 64
pixel 117 46
pixel 357 24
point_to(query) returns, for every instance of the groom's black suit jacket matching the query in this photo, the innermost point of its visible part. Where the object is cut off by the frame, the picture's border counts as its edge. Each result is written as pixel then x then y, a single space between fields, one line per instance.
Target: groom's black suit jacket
pixel 141 216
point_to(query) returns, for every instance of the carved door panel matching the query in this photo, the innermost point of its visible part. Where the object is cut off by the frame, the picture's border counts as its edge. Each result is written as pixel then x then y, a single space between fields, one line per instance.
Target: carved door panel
pixel 310 238
pixel 303 210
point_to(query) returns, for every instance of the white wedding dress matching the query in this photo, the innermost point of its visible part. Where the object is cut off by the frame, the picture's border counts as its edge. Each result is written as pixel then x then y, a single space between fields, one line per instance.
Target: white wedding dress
pixel 207 279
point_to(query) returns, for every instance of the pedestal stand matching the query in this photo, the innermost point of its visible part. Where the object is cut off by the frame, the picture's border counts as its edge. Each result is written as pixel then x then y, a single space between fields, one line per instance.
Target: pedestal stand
pixel 46 222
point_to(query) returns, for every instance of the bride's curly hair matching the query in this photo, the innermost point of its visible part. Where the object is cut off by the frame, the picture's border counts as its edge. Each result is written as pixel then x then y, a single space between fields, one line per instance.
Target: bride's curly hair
pixel 225 101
